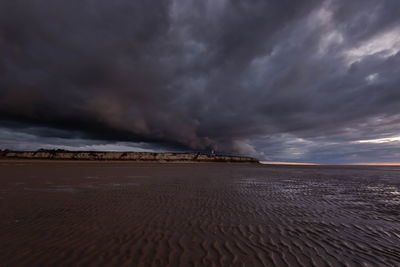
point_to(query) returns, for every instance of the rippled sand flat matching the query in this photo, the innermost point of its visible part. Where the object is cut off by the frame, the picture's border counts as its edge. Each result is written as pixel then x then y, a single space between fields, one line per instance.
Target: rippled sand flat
pixel 133 214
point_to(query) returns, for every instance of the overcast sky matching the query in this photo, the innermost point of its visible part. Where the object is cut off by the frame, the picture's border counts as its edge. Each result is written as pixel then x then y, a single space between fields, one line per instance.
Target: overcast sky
pixel 303 81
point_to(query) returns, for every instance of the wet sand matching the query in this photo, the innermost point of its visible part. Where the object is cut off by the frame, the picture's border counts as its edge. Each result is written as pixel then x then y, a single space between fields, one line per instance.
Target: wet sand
pixel 211 214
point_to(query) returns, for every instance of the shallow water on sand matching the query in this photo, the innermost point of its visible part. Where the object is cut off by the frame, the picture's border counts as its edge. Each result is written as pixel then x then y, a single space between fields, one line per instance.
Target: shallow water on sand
pixel 149 214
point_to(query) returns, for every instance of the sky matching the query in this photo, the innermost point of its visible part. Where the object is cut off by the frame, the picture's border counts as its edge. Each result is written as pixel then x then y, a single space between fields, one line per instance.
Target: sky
pixel 293 81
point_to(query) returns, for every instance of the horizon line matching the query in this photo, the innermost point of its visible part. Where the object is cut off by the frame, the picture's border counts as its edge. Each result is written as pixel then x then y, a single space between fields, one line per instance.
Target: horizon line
pixel 322 164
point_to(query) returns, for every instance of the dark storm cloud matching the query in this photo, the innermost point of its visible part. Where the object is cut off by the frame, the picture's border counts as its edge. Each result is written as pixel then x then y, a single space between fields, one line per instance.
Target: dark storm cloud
pixel 276 79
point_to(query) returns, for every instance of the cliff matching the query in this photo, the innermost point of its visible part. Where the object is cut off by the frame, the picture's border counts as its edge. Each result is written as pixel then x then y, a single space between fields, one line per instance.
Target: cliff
pixel 124 156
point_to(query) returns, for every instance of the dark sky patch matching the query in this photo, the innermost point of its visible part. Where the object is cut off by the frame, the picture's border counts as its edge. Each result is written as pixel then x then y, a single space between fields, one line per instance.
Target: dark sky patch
pixel 280 80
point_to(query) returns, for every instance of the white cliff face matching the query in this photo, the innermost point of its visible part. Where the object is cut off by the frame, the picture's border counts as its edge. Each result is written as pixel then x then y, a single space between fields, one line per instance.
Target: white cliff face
pixel 133 156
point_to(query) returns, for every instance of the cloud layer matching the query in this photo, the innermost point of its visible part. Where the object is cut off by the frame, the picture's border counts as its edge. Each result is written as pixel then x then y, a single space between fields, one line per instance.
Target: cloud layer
pixel 282 80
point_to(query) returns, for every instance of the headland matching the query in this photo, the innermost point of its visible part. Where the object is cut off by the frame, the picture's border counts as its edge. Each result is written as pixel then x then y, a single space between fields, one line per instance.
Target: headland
pixel 59 154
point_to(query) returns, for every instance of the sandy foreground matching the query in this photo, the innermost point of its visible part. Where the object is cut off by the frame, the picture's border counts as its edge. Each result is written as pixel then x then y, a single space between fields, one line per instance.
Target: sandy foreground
pixel 211 214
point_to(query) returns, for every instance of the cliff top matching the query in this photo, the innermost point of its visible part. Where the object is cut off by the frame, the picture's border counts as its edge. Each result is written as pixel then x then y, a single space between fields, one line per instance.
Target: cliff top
pixel 60 154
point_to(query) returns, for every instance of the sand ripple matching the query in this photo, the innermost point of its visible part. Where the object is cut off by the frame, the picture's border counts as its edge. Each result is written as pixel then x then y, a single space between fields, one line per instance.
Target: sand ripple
pixel 198 215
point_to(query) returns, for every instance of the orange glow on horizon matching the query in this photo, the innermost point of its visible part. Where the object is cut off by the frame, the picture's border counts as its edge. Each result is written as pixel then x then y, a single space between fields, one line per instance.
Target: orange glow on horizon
pixel 316 164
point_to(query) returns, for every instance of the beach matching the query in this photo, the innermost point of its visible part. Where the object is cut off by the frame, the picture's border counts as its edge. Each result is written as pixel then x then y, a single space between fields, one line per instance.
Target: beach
pixel 80 213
